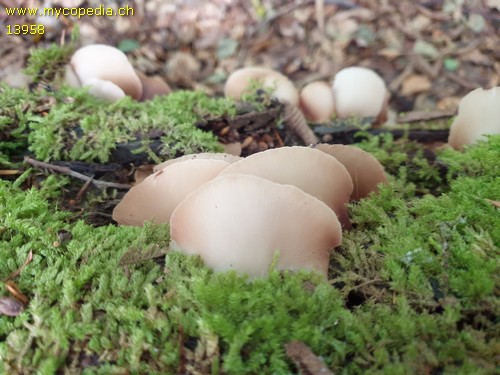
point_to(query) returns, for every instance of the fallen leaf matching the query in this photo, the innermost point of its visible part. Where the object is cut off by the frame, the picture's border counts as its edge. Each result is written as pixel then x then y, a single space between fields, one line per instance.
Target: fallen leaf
pixel 426 49
pixel 306 361
pixel 29 258
pixel 476 22
pixel 16 292
pixel 415 84
pixel 10 306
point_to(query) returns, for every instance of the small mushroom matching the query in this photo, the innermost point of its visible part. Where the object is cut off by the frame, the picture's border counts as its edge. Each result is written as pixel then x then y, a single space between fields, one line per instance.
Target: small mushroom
pixel 152 86
pixel 283 90
pixel 312 171
pixel 366 171
pixel 360 92
pixel 106 63
pixel 105 90
pixel 238 222
pixel 155 198
pixel 478 114
pixel 317 102
pixel 238 82
pixel 228 158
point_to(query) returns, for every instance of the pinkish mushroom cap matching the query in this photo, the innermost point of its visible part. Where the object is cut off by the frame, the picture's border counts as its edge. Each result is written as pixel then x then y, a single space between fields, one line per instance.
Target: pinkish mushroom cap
pixel 313 171
pixel 238 82
pixel 317 102
pixel 106 63
pixel 478 114
pixel 238 222
pixel 366 171
pixel 228 158
pixel 155 198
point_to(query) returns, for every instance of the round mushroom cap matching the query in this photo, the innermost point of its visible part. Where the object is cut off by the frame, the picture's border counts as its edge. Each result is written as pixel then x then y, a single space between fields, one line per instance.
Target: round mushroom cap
pixel 359 92
pixel 155 198
pixel 238 82
pixel 238 222
pixel 366 171
pixel 228 158
pixel 478 114
pixel 312 171
pixel 108 64
pixel 317 102
pixel 105 90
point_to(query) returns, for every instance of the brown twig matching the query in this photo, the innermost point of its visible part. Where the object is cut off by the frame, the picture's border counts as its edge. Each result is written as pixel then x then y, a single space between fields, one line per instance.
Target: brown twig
pixel 69 172
pixel 416 116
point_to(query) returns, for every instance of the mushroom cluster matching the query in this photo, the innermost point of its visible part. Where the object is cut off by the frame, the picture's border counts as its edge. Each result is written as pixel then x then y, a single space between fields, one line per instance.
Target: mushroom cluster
pixel 355 91
pixel 478 114
pixel 108 74
pixel 237 213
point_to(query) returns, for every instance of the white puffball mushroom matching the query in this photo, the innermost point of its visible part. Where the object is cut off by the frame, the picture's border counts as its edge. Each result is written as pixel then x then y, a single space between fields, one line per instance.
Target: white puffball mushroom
pixel 107 63
pixel 238 222
pixel 155 198
pixel 317 102
pixel 360 92
pixel 366 171
pixel 478 114
pixel 312 171
pixel 283 89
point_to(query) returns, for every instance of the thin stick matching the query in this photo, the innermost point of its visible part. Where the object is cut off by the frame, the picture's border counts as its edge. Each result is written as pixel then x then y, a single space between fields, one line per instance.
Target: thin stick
pixel 69 172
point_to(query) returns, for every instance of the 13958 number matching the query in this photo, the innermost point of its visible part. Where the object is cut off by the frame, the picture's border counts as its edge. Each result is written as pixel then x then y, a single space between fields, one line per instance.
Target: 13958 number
pixel 25 29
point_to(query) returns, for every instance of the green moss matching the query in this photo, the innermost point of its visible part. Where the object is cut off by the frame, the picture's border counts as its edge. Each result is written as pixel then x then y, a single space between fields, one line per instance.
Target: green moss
pixel 58 123
pixel 80 127
pixel 415 290
pixel 76 126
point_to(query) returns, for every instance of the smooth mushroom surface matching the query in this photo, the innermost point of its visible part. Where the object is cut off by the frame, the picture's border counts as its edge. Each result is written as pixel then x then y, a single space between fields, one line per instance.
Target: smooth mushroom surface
pixel 317 101
pixel 152 86
pixel 366 171
pixel 107 63
pixel 283 89
pixel 238 222
pixel 360 92
pixel 228 158
pixel 312 171
pixel 478 114
pixel 105 90
pixel 155 198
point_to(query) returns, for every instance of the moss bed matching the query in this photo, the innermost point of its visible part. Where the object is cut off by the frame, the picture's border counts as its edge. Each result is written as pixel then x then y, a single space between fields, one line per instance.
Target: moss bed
pixel 413 289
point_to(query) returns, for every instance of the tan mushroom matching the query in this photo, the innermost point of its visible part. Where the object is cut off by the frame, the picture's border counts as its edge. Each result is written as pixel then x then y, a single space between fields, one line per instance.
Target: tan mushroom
pixel 366 171
pixel 478 114
pixel 152 86
pixel 106 63
pixel 317 102
pixel 360 92
pixel 238 82
pixel 312 171
pixel 156 197
pixel 228 158
pixel 238 222
pixel 283 90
